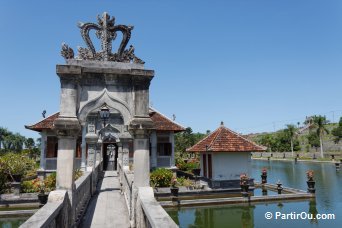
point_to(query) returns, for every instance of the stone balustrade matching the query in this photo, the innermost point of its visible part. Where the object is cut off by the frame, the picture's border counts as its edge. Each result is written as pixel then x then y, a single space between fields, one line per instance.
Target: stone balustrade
pixel 144 210
pixel 57 211
pixel 82 195
pixel 126 182
pixel 149 212
pixel 54 214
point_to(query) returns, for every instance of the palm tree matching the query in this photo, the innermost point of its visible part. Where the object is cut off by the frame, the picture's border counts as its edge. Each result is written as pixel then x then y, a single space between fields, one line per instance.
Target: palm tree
pixel 291 132
pixel 319 123
pixel 3 133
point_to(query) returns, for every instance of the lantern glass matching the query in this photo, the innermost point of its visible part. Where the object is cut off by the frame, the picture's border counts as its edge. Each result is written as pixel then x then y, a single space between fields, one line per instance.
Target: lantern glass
pixel 104 113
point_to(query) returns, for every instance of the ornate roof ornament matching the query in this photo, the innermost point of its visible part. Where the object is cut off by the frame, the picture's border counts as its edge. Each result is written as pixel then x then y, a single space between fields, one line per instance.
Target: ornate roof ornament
pixel 106 31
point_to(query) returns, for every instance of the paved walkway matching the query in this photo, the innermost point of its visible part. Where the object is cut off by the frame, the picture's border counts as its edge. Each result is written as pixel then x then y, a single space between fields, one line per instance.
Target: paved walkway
pixel 108 207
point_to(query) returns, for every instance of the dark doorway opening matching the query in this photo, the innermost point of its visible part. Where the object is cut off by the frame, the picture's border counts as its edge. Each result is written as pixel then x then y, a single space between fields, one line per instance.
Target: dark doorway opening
pixel 110 156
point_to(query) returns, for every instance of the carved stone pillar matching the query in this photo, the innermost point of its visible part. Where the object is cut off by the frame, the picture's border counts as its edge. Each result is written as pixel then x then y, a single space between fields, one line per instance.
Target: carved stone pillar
pixel 91 139
pixel 141 158
pixel 125 154
pixel 172 141
pixel 119 144
pixel 67 128
pixel 43 150
pixel 84 147
pixel 153 149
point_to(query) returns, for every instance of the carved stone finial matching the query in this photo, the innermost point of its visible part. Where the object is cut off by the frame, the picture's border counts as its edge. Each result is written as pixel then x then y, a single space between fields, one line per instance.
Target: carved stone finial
pixel 67 52
pixel 106 31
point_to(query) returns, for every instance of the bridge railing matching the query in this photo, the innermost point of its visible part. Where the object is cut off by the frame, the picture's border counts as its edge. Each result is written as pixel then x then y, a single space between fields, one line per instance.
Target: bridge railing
pixel 144 210
pixel 82 195
pixel 126 182
pixel 149 212
pixel 58 212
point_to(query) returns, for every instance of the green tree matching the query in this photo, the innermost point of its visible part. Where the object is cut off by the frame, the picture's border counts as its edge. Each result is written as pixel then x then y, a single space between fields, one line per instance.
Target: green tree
pixel 313 140
pixel 29 143
pixel 13 142
pixel 319 123
pixel 267 140
pixel 186 139
pixel 291 133
pixel 337 132
pixel 3 133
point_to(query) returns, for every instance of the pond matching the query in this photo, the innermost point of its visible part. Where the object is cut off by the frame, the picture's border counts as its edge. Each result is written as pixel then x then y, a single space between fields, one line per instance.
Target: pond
pixel 328 201
pixel 12 222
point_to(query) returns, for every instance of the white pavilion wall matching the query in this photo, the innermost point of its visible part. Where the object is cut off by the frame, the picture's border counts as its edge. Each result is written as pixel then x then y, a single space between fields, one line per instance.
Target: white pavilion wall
pixel 229 166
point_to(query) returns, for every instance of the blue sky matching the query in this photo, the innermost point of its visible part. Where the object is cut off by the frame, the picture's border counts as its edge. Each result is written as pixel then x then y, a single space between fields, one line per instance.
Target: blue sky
pixel 256 65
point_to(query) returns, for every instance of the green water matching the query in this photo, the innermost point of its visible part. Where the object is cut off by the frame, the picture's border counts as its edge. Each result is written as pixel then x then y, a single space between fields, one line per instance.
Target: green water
pixel 12 222
pixel 328 201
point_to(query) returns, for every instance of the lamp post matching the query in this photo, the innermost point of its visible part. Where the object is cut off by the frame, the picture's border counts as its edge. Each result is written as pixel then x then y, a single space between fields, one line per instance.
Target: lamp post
pixel 104 114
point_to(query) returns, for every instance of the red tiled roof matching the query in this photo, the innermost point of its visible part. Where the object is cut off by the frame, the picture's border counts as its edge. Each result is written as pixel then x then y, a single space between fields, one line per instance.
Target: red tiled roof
pixel 161 122
pixel 46 123
pixel 225 140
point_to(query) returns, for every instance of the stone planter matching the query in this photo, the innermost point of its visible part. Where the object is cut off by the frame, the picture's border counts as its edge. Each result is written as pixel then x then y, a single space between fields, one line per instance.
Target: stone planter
pixel 17 177
pixel 264 178
pixel 43 197
pixel 196 172
pixel 174 191
pixel 245 189
pixel 279 188
pixel 311 186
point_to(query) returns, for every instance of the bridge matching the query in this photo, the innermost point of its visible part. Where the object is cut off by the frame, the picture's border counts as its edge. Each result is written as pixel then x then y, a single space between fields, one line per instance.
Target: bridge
pixel 102 199
pixel 104 115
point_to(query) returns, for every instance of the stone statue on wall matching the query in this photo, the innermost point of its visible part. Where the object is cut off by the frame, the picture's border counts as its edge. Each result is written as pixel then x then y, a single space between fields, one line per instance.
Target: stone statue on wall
pixel 106 31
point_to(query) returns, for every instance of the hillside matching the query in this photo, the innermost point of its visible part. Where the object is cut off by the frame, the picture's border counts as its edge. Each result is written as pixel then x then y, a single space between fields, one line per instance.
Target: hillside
pixel 328 140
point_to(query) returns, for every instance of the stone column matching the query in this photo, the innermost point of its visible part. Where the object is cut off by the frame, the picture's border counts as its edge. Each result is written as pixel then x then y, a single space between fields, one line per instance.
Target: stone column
pixel 172 141
pixel 43 150
pixel 153 149
pixel 91 139
pixel 84 147
pixel 119 144
pixel 141 159
pixel 66 162
pixel 67 128
pixel 125 154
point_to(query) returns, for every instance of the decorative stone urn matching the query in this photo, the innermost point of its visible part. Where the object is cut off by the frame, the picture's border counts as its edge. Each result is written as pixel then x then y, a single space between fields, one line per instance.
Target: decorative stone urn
pixel 17 177
pixel 244 189
pixel 196 172
pixel 310 182
pixel 311 186
pixel 279 187
pixel 174 191
pixel 264 176
pixel 43 197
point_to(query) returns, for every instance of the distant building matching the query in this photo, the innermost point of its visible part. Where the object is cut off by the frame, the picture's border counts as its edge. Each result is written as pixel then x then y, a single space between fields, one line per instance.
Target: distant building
pixel 224 155
pixel 161 142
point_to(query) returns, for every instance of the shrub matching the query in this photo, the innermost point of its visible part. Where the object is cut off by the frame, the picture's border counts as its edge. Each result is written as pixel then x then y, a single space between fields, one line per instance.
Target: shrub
pixel 50 181
pixel 187 166
pixel 78 173
pixel 28 186
pixel 18 164
pixel 161 177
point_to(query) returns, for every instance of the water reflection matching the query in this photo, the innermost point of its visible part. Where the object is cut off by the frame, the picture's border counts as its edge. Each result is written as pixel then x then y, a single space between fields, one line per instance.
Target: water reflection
pixel 12 222
pixel 328 200
pixel 313 210
pixel 240 216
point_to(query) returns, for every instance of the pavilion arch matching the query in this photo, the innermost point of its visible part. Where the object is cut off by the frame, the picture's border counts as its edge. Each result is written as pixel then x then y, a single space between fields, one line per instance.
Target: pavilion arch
pixel 111 102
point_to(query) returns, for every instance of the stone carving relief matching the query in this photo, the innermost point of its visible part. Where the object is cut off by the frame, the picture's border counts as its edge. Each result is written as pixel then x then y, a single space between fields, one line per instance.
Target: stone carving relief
pixel 91 127
pixel 91 152
pixel 106 31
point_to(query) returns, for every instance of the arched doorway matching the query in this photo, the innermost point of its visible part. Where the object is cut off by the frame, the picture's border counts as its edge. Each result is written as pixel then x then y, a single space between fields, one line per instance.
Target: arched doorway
pixel 110 156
